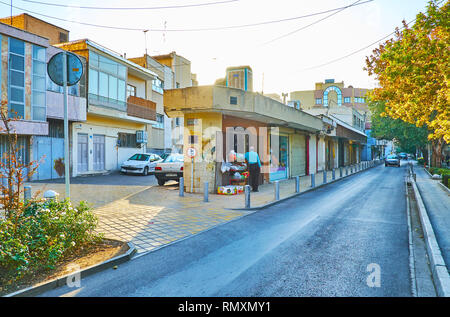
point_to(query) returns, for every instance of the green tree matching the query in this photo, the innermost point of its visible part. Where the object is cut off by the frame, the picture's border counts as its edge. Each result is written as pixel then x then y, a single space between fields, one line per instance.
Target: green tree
pixel 413 71
pixel 408 137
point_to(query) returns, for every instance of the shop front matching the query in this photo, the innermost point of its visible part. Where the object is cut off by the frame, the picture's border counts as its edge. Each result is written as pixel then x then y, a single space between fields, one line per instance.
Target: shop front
pixel 279 158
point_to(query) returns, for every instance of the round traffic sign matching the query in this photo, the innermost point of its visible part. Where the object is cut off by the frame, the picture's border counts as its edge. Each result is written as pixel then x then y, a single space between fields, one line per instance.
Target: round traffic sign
pixel 191 152
pixel 74 69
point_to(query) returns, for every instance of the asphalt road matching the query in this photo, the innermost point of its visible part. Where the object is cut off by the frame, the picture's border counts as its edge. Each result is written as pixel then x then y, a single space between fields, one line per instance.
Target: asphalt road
pixel 321 243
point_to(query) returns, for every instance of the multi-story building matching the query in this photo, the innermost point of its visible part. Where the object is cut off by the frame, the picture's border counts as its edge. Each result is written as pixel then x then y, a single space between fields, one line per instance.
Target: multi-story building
pixel 35 100
pixel 26 22
pixel 119 109
pixel 160 134
pixel 182 78
pixel 348 104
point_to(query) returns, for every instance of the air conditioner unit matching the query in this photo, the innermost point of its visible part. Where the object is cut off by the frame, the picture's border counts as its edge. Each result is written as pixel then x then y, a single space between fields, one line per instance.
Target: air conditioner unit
pixel 141 136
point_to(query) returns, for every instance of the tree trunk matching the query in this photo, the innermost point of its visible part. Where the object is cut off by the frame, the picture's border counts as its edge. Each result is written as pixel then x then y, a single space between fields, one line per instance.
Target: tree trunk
pixel 437 152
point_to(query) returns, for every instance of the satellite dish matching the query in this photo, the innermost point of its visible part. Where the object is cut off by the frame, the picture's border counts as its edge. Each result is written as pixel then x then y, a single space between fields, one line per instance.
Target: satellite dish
pixel 74 69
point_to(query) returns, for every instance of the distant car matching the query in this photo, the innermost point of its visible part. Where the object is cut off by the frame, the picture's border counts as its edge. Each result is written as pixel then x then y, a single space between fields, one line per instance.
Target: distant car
pixel 171 168
pixel 140 163
pixel 403 156
pixel 392 160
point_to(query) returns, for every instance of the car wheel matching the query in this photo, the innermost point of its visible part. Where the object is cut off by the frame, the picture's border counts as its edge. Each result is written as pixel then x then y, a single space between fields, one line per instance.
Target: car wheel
pixel 145 172
pixel 161 182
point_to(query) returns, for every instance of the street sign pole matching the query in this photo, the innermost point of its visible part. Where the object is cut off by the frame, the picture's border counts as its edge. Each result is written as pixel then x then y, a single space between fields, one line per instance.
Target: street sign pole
pixel 192 175
pixel 66 128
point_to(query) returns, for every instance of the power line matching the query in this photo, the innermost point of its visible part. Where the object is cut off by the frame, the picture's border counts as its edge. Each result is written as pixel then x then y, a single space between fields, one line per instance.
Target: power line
pixel 315 22
pixel 186 29
pixel 131 8
pixel 357 51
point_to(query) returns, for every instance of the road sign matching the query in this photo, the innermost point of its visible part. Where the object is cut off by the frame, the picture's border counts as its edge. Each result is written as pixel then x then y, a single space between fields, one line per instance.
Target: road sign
pixel 191 152
pixel 74 69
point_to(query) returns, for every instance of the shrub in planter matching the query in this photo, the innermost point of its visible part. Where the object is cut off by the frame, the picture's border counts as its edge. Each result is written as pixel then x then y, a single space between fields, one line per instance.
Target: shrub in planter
pixel 44 233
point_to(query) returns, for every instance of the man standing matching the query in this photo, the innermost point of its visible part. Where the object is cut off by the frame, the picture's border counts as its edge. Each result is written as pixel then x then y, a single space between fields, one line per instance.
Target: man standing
pixel 254 168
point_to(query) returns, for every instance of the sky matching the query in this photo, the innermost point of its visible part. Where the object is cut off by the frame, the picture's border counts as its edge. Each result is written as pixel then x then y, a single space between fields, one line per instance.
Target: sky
pixel 283 56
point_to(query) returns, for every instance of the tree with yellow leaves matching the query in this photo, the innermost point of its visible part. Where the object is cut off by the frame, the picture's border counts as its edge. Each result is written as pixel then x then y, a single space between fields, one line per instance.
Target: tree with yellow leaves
pixel 413 74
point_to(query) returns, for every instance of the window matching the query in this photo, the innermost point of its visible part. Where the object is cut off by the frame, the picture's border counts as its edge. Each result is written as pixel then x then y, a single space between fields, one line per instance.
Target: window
pixel 131 90
pixel 38 104
pixel 233 100
pixel 177 121
pixel 127 140
pixel 107 81
pixel 318 101
pixel 62 37
pixel 360 100
pixel 338 92
pixel 347 99
pixel 160 121
pixel 17 78
pixel 158 85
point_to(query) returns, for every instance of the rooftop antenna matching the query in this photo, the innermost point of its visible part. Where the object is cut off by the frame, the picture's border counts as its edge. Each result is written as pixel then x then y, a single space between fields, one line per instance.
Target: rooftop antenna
pixel 145 38
pixel 262 89
pixel 11 18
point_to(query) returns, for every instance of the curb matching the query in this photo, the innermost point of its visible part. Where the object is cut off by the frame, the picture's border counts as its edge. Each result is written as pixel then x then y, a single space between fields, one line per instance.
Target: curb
pixel 439 270
pixel 60 281
pixel 439 182
pixel 303 192
pixel 412 267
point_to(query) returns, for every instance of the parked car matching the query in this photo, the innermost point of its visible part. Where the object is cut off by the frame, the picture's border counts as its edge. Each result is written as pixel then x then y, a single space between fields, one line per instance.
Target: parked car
pixel 171 168
pixel 403 156
pixel 392 160
pixel 140 163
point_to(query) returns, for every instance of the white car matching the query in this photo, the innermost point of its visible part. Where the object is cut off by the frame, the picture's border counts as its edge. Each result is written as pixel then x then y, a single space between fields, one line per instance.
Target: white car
pixel 170 169
pixel 140 163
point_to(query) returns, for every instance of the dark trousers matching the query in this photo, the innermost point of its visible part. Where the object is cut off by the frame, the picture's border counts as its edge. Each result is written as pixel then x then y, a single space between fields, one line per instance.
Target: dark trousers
pixel 254 171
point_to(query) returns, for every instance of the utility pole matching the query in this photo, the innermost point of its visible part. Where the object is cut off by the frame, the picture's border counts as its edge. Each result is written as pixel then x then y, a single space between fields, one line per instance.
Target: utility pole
pixel 145 39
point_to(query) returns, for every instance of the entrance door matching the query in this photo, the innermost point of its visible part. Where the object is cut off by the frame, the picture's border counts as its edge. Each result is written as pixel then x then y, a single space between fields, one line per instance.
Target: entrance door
pixel 82 165
pixel 99 152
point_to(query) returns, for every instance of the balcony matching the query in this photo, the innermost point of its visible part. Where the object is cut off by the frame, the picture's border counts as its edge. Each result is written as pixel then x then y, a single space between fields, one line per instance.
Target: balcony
pixel 141 108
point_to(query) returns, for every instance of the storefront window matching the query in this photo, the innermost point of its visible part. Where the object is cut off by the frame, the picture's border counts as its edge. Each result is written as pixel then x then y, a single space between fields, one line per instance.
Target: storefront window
pixel 279 163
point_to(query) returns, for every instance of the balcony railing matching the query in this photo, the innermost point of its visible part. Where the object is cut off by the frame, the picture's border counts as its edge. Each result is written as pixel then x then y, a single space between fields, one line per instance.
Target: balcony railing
pixel 141 108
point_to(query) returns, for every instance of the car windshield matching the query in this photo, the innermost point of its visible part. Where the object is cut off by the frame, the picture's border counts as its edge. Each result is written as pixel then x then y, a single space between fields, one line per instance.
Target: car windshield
pixel 174 158
pixel 139 157
pixel 392 156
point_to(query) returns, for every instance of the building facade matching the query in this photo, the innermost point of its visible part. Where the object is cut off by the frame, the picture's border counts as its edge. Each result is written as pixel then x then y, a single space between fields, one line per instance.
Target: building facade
pixel 116 121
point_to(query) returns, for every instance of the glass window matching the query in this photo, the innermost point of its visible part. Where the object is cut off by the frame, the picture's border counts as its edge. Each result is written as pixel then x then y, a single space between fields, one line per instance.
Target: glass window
pixel 16 46
pixel 108 65
pixel 346 99
pixel 39 53
pixel 160 121
pixel 122 72
pixel 121 90
pixel 112 87
pixel 38 102
pixel 93 81
pixel 93 59
pixel 103 84
pixel 131 90
pixel 158 85
pixel 318 101
pixel 16 83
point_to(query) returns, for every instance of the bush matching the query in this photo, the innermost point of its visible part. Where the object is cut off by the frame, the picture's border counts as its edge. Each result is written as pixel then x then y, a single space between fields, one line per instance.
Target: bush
pixel 44 233
pixel 439 171
pixel 420 160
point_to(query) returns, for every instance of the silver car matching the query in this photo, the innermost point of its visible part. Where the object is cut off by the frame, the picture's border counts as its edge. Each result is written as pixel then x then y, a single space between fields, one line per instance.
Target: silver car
pixel 141 163
pixel 392 160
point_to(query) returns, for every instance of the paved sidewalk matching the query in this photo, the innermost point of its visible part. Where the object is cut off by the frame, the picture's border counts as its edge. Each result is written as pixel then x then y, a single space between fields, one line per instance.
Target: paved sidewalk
pixel 437 203
pixel 153 216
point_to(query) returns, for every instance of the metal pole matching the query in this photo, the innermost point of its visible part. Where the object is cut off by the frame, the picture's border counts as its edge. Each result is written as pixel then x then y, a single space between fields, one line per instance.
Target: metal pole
pixel 192 175
pixel 66 128
pixel 313 180
pixel 340 172
pixel 181 187
pixel 333 175
pixel 324 176
pixel 297 184
pixel 277 190
pixel 247 196
pixel 205 192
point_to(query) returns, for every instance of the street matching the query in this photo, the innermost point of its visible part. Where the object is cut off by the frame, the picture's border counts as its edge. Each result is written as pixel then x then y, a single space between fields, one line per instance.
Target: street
pixel 322 243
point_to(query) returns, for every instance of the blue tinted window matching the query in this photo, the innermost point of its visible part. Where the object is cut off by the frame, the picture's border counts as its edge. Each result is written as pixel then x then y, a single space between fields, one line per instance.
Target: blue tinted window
pixel 16 46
